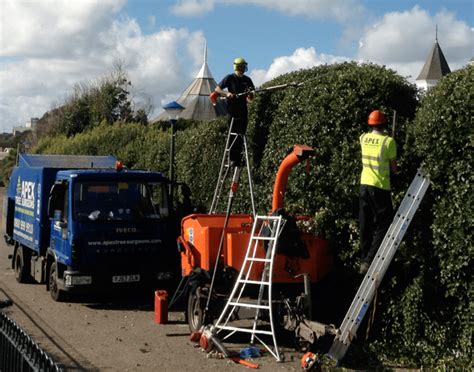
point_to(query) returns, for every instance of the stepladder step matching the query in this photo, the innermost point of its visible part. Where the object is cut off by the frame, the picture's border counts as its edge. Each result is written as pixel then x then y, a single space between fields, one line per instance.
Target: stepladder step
pixel 262 306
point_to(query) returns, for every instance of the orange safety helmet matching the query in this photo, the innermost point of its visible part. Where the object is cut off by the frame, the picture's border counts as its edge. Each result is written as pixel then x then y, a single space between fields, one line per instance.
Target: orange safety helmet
pixel 377 117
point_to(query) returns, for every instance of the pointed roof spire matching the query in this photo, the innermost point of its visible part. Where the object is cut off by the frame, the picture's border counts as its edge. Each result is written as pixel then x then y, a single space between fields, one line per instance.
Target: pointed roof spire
pixel 195 98
pixel 204 73
pixel 436 65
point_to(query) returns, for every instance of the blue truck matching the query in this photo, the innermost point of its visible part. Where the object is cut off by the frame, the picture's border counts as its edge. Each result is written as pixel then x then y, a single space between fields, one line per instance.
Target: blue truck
pixel 80 223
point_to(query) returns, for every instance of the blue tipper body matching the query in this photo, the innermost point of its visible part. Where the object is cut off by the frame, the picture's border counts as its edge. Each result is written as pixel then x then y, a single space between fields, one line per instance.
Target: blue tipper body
pixel 29 188
pixel 108 242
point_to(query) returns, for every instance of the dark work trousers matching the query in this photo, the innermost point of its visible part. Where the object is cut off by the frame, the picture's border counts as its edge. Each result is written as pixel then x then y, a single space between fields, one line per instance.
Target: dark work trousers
pixel 375 217
pixel 239 127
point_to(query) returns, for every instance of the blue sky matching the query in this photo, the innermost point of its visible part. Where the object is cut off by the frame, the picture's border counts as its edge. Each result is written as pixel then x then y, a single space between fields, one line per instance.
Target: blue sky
pixel 48 46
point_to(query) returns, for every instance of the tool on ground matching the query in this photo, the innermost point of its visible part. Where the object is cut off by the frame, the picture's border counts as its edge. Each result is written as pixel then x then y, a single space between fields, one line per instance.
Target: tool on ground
pixel 379 266
pixel 265 229
pixel 209 341
pixel 245 362
pixel 309 361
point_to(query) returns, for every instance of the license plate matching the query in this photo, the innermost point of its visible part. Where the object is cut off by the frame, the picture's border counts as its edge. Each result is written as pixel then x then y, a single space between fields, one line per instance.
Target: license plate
pixel 125 278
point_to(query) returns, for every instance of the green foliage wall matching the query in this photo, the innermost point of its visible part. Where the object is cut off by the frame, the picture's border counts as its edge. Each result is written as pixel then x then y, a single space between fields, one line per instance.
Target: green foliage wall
pixel 329 112
pixel 430 320
pixel 198 157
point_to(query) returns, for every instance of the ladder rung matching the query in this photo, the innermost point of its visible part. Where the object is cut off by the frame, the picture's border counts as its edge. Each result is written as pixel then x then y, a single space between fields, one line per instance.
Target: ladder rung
pixel 253 282
pixel 263 238
pixel 259 259
pixel 246 330
pixel 253 306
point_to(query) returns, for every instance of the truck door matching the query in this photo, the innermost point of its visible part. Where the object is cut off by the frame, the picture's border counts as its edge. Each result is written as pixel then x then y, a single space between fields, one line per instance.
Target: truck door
pixel 58 211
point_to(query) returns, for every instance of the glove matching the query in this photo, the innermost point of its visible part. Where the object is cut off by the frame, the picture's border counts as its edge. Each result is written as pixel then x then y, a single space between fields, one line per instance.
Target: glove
pixel 213 98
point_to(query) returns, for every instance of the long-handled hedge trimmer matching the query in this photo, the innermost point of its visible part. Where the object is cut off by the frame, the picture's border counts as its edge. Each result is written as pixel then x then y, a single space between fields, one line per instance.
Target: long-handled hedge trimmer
pixel 214 96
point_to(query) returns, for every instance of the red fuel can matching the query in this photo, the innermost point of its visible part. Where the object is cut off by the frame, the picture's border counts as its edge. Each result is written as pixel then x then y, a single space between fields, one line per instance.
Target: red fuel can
pixel 161 307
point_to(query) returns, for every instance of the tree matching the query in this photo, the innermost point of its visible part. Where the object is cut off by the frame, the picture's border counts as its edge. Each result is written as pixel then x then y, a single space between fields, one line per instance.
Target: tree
pixel 107 99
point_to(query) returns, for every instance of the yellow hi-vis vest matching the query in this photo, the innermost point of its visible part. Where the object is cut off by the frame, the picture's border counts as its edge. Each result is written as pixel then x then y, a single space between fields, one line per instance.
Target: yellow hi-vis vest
pixel 377 151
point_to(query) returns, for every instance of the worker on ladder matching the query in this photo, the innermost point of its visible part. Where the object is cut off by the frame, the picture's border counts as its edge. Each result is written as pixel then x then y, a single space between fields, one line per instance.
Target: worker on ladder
pixel 379 152
pixel 237 85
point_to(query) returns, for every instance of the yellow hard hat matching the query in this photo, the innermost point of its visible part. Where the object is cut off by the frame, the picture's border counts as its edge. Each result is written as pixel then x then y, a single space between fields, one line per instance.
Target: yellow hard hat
pixel 240 64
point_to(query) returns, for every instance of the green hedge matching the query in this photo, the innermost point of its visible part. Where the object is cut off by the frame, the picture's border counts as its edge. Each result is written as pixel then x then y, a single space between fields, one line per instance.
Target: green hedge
pixel 430 321
pixel 138 146
pixel 329 112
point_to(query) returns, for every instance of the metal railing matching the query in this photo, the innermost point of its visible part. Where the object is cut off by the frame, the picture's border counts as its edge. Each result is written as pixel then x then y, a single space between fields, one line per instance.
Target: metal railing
pixel 18 351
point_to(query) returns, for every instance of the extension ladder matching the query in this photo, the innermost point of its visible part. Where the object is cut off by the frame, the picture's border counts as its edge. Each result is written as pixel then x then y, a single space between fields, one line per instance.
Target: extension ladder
pixel 379 266
pixel 225 167
pixel 265 229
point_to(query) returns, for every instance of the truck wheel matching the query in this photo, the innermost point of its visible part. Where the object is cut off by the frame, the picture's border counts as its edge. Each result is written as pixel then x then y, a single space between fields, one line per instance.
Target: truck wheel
pixel 56 294
pixel 195 310
pixel 21 266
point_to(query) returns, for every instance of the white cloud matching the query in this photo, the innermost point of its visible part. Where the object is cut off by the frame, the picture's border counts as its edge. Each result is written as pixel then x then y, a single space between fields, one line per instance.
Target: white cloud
pixel 193 8
pixel 340 10
pixel 43 28
pixel 300 59
pixel 39 70
pixel 402 40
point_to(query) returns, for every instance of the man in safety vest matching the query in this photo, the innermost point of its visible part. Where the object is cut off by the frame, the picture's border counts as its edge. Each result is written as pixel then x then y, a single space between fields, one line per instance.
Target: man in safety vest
pixel 379 152
pixel 239 93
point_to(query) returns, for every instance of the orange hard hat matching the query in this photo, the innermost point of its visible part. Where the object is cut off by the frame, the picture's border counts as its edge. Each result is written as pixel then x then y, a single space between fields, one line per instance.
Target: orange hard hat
pixel 377 117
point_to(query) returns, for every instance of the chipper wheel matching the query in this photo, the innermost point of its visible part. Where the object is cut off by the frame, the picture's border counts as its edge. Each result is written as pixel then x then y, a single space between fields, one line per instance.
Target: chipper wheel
pixel 195 308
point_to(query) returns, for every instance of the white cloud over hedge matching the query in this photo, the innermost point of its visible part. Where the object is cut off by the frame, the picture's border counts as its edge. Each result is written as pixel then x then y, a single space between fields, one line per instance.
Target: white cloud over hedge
pixel 300 59
pixel 402 40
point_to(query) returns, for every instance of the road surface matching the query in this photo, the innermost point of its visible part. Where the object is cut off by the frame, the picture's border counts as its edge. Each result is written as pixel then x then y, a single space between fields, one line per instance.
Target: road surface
pixel 111 333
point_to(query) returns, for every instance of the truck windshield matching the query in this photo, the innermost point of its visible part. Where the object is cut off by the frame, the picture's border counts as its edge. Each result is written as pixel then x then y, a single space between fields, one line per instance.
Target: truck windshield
pixel 105 201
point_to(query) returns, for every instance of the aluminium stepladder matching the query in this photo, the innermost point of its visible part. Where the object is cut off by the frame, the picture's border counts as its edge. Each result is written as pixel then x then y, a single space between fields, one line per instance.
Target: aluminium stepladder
pixel 232 137
pixel 225 168
pixel 273 226
pixel 379 266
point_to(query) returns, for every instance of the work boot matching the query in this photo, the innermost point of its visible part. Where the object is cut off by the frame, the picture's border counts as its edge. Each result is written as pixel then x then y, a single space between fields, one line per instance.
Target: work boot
pixel 364 267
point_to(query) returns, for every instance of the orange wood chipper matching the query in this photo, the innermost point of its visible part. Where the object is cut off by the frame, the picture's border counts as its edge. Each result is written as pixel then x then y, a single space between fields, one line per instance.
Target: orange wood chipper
pixel 299 254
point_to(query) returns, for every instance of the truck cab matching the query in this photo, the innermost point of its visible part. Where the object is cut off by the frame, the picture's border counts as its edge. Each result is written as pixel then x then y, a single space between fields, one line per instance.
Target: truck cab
pixel 88 229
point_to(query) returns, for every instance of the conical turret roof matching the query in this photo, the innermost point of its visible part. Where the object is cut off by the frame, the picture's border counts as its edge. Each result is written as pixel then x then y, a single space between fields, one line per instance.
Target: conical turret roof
pixel 435 66
pixel 195 97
